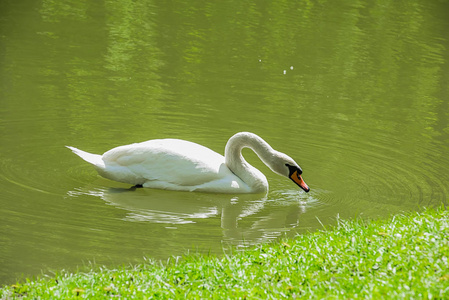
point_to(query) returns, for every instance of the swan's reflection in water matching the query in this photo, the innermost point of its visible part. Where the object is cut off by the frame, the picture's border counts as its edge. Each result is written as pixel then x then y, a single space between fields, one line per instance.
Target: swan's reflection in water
pixel 244 219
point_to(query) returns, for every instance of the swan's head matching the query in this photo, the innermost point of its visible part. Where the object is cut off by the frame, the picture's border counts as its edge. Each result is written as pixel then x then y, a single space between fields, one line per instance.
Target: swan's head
pixel 286 166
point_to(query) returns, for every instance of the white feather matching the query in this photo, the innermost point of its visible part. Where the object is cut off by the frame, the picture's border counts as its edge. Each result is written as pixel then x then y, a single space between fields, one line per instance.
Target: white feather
pixel 185 166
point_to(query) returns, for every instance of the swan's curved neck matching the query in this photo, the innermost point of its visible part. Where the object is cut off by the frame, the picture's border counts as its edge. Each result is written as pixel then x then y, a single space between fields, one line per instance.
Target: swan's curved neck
pixel 238 165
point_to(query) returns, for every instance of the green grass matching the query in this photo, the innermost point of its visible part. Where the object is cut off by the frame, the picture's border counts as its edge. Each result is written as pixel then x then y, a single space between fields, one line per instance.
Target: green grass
pixel 405 257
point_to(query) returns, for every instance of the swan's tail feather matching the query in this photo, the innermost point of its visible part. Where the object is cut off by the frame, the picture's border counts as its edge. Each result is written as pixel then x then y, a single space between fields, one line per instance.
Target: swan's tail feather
pixel 93 159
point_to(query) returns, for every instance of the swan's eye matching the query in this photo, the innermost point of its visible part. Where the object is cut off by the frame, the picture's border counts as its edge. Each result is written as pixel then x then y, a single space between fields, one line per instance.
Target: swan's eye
pixel 292 169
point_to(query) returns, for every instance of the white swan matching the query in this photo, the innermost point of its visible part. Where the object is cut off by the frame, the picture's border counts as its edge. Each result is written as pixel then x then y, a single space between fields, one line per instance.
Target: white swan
pixel 180 165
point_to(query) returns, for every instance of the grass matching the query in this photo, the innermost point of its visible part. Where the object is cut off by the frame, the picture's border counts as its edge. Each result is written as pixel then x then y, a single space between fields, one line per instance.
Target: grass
pixel 405 257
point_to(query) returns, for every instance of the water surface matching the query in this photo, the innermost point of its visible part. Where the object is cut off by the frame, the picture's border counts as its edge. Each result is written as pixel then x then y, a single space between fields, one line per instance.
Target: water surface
pixel 356 92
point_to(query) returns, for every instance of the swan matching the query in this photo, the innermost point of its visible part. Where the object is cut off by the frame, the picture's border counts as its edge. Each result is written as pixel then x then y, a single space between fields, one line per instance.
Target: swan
pixel 180 165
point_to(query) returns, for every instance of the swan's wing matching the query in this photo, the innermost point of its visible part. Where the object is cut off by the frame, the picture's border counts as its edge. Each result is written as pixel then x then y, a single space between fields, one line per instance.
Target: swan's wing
pixel 169 160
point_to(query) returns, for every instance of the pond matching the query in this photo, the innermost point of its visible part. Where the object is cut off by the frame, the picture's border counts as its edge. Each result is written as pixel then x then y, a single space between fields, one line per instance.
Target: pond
pixel 357 92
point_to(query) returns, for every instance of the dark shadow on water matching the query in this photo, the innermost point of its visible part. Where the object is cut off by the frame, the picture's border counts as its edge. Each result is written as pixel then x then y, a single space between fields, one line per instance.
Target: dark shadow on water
pixel 124 190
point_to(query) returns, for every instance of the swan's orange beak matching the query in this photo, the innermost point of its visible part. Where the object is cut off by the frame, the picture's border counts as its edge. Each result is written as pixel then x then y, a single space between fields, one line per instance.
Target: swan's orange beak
pixel 299 181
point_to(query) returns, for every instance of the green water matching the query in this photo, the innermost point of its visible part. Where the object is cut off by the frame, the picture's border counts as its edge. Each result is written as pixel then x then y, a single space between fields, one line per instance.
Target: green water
pixel 356 91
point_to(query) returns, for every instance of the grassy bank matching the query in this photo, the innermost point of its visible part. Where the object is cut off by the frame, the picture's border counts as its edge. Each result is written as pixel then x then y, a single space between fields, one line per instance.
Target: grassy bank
pixel 406 257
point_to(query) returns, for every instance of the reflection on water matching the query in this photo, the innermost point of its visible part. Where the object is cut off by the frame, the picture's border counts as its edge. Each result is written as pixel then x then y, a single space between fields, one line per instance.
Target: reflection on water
pixel 150 206
pixel 356 92
pixel 179 208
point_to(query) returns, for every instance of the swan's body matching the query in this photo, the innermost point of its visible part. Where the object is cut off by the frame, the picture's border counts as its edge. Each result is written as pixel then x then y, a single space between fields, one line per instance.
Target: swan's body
pixel 174 164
